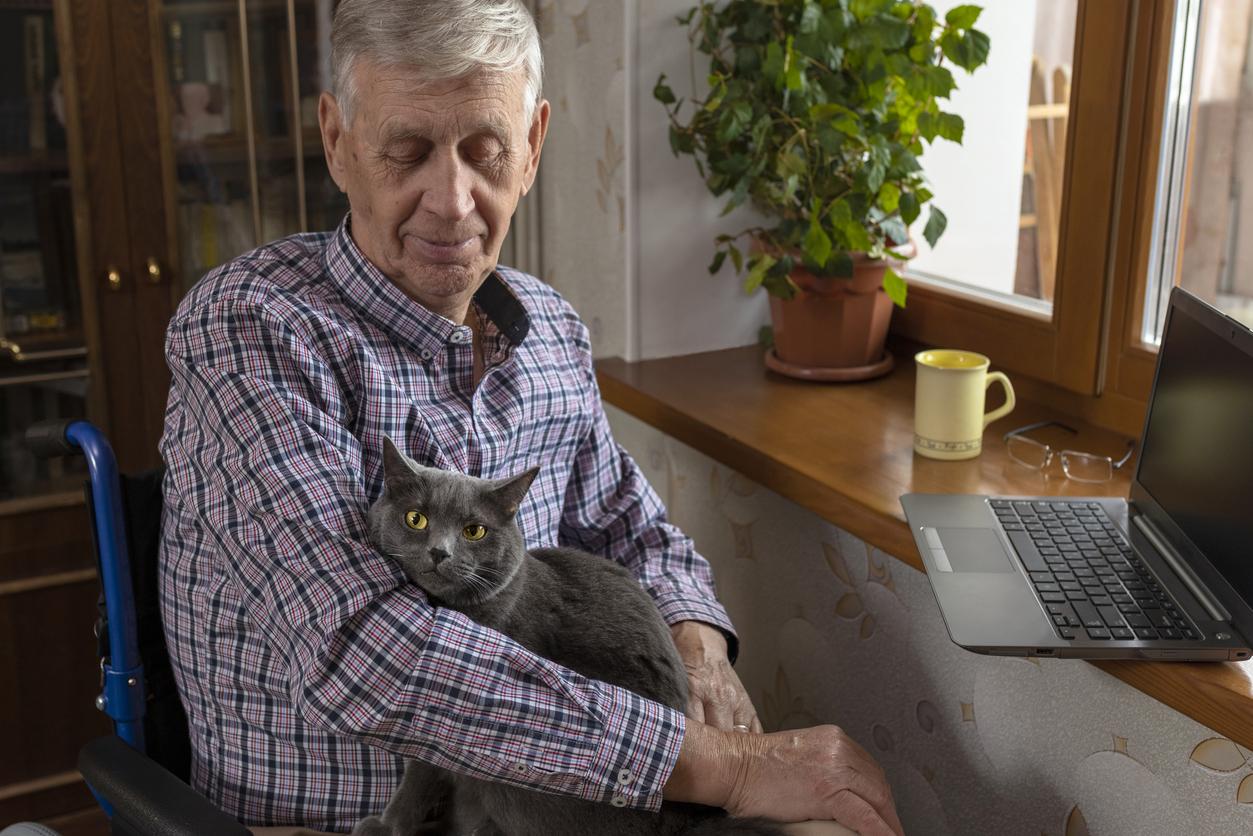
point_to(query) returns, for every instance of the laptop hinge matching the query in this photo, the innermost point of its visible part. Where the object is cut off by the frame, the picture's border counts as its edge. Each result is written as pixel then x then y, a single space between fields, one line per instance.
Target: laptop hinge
pixel 1169 554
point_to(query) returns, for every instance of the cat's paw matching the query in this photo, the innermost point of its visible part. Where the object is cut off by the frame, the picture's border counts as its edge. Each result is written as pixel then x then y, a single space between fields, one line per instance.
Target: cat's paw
pixel 374 826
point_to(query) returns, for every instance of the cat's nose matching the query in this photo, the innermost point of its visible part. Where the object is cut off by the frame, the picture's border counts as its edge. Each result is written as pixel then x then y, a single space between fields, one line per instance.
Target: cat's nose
pixel 439 556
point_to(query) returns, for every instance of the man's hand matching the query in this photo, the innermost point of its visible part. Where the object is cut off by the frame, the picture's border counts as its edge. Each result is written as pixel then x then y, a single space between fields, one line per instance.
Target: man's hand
pixel 716 696
pixel 818 773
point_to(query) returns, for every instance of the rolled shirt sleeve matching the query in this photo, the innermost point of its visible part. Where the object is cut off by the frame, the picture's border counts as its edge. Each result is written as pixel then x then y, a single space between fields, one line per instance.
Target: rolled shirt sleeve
pixel 279 481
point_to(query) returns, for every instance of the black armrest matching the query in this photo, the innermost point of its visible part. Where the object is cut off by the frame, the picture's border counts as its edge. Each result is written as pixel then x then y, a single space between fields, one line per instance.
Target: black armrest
pixel 147 799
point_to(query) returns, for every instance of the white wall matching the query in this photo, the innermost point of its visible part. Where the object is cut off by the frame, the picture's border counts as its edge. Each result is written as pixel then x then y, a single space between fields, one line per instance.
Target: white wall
pixel 682 309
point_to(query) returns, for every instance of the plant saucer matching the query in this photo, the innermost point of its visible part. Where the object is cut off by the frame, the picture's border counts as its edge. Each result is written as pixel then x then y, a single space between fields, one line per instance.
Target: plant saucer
pixel 817 374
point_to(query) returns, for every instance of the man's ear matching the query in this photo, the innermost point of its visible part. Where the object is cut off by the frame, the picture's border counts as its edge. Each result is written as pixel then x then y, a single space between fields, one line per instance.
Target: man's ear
pixel 334 137
pixel 395 465
pixel 510 492
pixel 535 143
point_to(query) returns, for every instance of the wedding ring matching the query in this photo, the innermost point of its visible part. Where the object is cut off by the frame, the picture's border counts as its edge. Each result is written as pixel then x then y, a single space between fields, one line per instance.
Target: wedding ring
pixel 740 727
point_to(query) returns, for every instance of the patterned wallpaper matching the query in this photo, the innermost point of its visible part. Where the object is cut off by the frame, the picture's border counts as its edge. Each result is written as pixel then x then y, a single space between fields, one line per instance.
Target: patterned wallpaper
pixel 838 632
pixel 582 186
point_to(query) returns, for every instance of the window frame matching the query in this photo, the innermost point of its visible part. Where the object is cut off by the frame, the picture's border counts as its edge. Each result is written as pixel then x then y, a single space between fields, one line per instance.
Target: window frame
pixel 1067 350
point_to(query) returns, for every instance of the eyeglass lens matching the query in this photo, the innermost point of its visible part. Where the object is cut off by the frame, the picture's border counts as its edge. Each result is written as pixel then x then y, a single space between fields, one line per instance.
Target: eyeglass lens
pixel 1028 452
pixel 1085 467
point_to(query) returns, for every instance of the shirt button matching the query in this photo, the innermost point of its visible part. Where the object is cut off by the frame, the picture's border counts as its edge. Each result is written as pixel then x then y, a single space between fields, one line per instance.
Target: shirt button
pixel 461 335
pixel 427 354
pixel 624 776
pixel 520 768
pixel 618 801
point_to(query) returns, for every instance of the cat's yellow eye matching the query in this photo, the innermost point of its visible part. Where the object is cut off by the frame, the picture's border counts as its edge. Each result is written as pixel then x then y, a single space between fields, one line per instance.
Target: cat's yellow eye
pixel 415 520
pixel 474 532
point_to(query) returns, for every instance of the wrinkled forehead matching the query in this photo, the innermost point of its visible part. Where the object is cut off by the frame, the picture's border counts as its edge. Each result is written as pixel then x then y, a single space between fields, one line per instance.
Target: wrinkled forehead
pixel 398 102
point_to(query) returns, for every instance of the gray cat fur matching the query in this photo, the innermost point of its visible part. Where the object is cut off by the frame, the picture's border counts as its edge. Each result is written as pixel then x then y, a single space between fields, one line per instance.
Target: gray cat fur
pixel 582 611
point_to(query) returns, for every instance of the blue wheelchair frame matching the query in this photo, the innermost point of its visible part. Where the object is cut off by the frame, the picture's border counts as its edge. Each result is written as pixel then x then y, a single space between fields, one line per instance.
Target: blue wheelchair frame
pixel 139 795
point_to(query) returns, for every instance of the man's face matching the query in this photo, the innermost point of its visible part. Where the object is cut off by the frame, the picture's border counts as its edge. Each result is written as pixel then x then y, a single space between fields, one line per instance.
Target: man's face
pixel 433 172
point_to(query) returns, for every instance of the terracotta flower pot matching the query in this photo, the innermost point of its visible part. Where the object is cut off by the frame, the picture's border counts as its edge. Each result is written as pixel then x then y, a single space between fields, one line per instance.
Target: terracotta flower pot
pixel 833 323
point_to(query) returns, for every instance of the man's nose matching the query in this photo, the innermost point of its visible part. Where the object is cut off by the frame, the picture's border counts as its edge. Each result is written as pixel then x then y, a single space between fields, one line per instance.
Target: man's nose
pixel 449 194
pixel 439 556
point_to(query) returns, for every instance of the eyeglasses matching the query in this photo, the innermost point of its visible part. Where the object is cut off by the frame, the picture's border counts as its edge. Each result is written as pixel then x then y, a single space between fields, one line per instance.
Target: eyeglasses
pixel 1081 467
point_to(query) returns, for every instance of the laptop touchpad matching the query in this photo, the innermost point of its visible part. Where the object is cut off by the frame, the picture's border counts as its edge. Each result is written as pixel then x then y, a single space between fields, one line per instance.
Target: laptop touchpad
pixel 974 550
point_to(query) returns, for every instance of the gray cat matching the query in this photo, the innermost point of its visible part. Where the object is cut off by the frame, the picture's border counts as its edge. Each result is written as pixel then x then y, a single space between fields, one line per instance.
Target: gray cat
pixel 455 537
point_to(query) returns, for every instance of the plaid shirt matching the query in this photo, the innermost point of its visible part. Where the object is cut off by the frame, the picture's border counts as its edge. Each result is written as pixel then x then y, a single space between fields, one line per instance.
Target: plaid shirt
pixel 309 667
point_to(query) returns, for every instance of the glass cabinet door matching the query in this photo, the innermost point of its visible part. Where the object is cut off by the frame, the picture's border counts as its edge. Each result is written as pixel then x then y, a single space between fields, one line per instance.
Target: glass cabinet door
pixel 43 354
pixel 243 78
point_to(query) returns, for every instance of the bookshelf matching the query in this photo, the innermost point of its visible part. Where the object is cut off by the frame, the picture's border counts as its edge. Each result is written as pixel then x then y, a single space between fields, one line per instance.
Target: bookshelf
pixel 142 142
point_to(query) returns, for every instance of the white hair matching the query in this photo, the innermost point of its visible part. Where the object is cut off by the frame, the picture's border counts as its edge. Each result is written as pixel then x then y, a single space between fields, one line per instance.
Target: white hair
pixel 440 39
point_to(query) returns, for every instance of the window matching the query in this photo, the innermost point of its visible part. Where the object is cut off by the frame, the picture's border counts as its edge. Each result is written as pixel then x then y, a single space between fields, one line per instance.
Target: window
pixel 1002 188
pixel 1203 219
pixel 1071 143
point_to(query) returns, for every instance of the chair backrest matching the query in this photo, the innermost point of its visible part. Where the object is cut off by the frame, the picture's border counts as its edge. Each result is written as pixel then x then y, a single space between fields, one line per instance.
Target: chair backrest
pixel 165 722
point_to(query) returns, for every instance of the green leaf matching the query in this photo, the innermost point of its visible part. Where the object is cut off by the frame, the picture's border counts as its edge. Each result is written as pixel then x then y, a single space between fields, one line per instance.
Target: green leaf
pixel 758 265
pixel 895 287
pixel 889 197
pixel 909 207
pixel 962 17
pixel 967 51
pixel 794 68
pixel 928 126
pixel 737 258
pixel 936 224
pixel 924 23
pixel 738 196
pixel 951 126
pixel 874 176
pixel 716 264
pixel 774 66
pixel 816 244
pixel 765 336
pixel 662 91
pixel 680 141
pixel 939 81
pixel 715 97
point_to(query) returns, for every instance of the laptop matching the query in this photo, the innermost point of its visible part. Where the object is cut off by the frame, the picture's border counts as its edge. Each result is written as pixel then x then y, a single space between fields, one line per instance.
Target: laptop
pixel 1167 574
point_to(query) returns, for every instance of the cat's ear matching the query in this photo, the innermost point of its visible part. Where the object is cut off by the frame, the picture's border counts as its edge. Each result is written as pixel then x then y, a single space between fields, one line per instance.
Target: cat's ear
pixel 510 492
pixel 395 465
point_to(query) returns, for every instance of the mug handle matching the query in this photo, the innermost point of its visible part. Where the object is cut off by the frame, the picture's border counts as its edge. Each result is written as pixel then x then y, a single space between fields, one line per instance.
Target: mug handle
pixel 1005 408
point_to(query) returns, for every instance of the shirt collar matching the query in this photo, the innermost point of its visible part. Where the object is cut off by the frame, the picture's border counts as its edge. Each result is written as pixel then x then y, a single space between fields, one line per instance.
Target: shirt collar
pixel 409 323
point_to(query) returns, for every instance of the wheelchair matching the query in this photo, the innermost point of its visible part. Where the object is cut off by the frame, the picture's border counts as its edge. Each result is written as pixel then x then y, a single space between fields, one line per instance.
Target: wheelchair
pixel 139 773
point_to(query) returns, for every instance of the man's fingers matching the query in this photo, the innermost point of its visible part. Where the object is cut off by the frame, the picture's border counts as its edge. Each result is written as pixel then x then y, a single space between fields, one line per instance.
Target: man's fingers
pixel 851 810
pixel 755 726
pixel 746 718
pixel 696 709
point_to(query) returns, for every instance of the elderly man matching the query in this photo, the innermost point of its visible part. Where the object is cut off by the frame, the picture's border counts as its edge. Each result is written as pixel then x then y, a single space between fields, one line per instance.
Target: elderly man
pixel 309 668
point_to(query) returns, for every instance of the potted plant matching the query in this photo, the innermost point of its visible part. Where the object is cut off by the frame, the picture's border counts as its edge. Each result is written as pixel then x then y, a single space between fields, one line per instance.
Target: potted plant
pixel 817 113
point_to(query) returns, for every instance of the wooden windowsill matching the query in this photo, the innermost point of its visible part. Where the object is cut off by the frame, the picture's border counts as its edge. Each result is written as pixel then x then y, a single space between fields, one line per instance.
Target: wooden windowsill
pixel 845 452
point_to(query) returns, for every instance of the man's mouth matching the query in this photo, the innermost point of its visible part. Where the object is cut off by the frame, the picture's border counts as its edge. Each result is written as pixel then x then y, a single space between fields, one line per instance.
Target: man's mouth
pixel 441 251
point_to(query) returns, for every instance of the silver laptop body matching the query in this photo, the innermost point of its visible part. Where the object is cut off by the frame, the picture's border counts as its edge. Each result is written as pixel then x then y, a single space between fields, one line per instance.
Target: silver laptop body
pixel 1165 575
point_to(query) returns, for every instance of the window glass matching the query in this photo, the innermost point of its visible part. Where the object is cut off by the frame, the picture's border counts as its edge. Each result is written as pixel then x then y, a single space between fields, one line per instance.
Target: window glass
pixel 1203 227
pixel 1002 187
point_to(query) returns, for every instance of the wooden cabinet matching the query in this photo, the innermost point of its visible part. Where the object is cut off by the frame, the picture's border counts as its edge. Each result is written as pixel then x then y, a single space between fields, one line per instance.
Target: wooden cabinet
pixel 141 143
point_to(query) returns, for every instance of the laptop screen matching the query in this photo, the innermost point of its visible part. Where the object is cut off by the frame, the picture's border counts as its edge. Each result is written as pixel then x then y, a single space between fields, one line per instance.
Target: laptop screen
pixel 1197 456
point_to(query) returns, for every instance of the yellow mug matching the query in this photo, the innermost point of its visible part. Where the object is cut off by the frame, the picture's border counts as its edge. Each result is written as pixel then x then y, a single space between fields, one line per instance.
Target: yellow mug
pixel 948 403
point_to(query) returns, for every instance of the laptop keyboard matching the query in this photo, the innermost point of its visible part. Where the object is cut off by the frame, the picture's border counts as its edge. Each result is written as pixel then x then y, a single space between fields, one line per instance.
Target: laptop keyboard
pixel 1092 584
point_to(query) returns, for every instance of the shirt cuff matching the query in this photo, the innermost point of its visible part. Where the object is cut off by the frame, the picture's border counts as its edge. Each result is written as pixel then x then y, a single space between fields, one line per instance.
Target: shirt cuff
pixel 637 752
pixel 680 601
